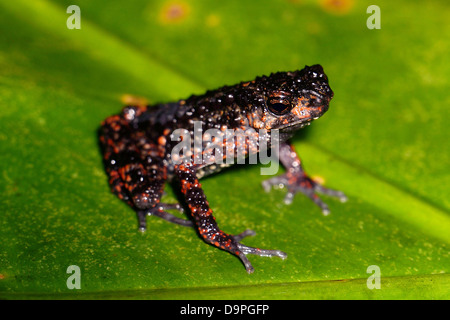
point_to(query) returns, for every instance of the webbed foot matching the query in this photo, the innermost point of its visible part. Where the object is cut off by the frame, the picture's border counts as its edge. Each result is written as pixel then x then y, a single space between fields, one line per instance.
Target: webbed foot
pixel 298 181
pixel 159 211
pixel 242 250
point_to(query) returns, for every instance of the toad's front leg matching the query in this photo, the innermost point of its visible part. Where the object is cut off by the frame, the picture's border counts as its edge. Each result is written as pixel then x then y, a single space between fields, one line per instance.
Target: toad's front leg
pixel 206 223
pixel 296 180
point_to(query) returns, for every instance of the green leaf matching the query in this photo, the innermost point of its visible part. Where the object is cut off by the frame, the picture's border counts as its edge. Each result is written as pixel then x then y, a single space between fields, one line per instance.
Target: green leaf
pixel 384 142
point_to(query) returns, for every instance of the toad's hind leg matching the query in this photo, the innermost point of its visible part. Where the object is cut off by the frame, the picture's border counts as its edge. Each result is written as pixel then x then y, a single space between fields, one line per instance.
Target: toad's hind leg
pixel 145 184
pixel 136 170
pixel 206 223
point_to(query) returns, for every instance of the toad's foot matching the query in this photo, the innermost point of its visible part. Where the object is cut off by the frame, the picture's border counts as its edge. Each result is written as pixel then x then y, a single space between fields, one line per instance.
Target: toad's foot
pixel 159 211
pixel 300 182
pixel 233 245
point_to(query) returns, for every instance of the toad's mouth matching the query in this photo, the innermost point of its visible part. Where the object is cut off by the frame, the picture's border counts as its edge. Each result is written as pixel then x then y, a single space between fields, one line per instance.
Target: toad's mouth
pixel 294 126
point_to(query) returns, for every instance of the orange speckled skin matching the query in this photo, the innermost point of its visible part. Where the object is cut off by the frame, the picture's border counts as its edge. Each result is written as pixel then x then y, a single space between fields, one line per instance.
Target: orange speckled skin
pixel 137 145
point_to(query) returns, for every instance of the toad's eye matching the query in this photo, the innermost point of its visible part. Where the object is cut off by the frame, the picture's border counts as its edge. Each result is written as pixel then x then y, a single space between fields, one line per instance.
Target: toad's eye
pixel 279 106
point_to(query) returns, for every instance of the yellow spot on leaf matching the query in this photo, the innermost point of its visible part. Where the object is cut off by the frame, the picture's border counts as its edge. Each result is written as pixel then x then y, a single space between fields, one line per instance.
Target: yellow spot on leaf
pixel 212 20
pixel 129 99
pixel 318 179
pixel 337 6
pixel 174 12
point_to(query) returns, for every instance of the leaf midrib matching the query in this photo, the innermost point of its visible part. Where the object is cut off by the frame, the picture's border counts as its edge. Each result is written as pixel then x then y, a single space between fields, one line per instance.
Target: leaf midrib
pixel 439 284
